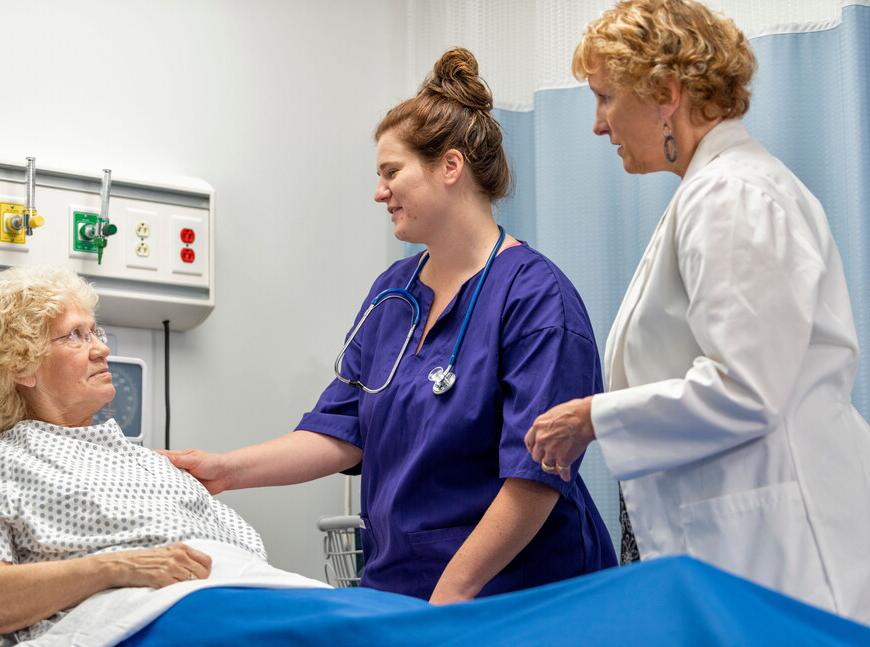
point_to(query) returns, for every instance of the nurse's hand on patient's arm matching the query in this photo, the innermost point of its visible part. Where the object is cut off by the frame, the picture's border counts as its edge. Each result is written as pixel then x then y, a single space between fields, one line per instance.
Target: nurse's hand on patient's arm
pixel 514 517
pixel 559 436
pixel 33 592
pixel 296 457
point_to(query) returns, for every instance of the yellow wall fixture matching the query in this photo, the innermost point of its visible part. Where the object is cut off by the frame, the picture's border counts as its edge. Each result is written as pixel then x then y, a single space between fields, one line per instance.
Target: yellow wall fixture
pixel 13 229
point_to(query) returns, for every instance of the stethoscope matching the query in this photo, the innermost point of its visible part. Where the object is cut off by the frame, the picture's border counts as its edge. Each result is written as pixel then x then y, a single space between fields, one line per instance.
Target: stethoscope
pixel 442 379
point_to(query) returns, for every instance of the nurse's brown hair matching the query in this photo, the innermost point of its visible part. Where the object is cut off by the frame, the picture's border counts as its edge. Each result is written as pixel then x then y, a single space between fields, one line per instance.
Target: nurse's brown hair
pixel 452 109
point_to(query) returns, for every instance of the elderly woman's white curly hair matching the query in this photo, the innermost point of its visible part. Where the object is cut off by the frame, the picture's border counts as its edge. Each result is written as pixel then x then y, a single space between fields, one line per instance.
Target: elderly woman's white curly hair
pixel 30 299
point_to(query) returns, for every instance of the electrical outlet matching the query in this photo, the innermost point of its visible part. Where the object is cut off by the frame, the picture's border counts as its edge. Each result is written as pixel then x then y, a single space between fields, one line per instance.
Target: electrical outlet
pixel 143 229
pixel 188 245
pixel 142 238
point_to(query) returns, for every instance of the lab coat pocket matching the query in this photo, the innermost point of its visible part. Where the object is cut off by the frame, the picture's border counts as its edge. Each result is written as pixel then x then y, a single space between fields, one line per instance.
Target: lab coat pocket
pixel 763 535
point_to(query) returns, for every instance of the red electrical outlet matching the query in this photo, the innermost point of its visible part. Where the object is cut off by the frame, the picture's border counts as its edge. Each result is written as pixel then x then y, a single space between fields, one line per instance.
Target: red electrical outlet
pixel 190 245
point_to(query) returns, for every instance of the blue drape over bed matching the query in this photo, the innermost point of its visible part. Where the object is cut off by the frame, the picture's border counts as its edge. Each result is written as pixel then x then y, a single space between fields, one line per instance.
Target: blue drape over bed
pixel 672 601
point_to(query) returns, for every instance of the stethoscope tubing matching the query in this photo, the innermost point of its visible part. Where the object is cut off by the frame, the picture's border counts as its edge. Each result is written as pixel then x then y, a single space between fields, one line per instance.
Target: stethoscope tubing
pixel 447 377
pixel 486 268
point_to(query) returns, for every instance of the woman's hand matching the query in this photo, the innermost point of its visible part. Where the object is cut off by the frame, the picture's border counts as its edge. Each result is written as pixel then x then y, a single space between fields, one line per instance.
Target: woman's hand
pixel 511 521
pixel 32 592
pixel 210 469
pixel 559 436
pixel 154 567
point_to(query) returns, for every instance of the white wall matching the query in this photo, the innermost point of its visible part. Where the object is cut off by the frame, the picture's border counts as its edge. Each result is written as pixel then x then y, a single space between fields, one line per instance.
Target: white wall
pixel 273 103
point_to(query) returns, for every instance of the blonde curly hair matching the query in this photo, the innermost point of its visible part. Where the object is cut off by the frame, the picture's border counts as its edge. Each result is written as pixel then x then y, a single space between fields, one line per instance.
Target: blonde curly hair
pixel 30 300
pixel 645 43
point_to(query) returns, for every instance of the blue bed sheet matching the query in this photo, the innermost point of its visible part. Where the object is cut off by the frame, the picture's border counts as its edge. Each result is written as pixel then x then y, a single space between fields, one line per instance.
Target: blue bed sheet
pixel 673 601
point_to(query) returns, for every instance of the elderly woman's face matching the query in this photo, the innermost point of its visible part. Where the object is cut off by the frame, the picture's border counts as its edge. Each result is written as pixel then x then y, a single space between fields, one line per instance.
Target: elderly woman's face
pixel 73 383
pixel 631 123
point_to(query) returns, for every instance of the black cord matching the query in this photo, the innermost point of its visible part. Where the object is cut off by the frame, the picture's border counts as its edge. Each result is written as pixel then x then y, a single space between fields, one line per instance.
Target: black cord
pixel 166 377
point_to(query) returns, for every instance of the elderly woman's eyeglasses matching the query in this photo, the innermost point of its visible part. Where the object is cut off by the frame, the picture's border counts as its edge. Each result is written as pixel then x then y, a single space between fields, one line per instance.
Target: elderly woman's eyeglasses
pixel 75 337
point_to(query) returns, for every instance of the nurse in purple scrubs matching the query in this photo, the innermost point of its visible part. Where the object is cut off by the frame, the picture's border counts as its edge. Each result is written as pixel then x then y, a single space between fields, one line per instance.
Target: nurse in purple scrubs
pixel 453 504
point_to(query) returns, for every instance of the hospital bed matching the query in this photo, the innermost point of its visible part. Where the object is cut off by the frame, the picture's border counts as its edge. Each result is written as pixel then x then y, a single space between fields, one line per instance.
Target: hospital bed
pixel 672 601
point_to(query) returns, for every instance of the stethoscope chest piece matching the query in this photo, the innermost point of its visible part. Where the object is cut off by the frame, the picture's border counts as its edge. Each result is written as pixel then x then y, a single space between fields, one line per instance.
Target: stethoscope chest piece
pixel 442 381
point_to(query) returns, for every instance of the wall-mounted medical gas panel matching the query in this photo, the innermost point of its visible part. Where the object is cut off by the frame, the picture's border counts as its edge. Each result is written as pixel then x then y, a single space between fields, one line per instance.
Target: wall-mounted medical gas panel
pixel 151 258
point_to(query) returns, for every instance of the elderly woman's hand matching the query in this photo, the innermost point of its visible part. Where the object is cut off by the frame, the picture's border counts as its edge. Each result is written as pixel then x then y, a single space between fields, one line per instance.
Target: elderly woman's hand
pixel 559 436
pixel 154 567
pixel 32 592
pixel 209 469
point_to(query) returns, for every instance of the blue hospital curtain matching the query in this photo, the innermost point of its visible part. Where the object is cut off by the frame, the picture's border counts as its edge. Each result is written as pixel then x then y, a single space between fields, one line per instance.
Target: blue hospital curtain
pixel 572 199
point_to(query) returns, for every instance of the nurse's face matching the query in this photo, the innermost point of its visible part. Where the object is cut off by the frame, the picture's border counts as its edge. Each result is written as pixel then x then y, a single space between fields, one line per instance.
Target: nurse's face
pixel 632 123
pixel 409 189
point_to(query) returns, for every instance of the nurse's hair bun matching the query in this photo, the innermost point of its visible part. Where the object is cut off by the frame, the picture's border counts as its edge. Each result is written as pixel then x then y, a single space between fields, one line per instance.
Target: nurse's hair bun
pixel 453 110
pixel 455 76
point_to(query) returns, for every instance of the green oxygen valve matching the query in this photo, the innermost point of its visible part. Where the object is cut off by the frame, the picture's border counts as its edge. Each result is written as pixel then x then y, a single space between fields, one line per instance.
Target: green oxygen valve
pixel 91 233
pixel 100 242
pixel 104 227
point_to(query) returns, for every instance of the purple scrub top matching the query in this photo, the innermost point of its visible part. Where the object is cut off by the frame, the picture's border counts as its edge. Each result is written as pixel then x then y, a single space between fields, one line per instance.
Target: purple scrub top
pixel 431 464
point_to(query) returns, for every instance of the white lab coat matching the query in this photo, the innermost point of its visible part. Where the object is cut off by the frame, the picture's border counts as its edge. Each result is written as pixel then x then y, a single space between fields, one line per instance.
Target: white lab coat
pixel 729 371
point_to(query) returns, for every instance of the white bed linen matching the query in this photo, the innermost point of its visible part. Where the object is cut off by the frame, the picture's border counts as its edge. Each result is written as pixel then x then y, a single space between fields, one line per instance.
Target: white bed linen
pixel 106 618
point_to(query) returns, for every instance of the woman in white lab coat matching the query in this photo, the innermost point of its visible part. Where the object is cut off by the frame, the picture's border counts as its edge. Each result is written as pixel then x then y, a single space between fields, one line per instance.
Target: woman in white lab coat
pixel 729 367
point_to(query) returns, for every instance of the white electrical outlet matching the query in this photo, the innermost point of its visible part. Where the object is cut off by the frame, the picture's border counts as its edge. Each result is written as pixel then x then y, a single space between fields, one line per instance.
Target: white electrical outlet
pixel 143 249
pixel 142 229
pixel 142 242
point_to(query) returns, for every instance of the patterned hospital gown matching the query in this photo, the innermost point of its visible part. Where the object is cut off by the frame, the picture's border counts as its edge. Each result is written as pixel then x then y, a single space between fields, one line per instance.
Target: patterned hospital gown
pixel 67 492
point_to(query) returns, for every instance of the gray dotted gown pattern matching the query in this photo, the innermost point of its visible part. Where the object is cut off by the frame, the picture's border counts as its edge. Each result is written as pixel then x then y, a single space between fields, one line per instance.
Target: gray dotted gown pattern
pixel 67 492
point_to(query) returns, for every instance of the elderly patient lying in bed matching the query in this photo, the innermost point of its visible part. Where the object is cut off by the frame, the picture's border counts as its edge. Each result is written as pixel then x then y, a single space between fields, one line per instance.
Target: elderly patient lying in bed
pixel 82 509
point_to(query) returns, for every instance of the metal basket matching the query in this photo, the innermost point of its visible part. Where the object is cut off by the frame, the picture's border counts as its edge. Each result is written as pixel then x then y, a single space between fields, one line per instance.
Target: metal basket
pixel 342 550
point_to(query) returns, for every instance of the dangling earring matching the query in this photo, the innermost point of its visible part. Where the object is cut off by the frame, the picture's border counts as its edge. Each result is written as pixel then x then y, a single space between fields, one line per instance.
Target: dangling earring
pixel 670 145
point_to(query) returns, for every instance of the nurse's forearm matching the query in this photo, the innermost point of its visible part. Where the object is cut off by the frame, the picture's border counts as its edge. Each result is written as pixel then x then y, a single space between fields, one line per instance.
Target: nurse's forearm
pixel 297 457
pixel 514 517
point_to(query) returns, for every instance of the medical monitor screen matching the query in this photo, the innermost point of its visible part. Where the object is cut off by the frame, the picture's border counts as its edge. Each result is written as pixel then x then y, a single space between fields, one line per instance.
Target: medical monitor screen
pixel 126 407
